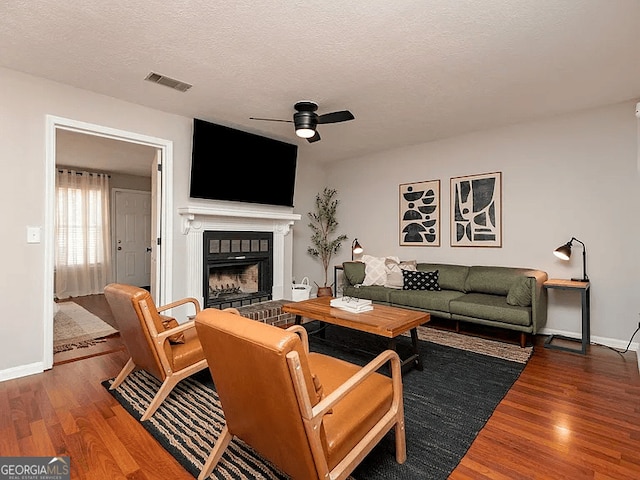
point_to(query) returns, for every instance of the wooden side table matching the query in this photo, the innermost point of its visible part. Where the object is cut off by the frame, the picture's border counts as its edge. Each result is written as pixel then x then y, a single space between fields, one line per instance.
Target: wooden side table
pixel 583 288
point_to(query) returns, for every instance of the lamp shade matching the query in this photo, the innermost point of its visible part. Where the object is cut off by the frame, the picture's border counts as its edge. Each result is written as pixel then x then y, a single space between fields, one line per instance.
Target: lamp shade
pixel 356 248
pixel 563 252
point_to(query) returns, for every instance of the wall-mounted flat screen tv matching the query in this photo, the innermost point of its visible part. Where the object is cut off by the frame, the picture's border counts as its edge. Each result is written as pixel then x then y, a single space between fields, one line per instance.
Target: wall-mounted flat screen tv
pixel 229 164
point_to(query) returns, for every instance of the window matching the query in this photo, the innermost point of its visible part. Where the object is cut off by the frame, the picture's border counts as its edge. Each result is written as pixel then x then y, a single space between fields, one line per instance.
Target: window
pixel 80 225
pixel 83 263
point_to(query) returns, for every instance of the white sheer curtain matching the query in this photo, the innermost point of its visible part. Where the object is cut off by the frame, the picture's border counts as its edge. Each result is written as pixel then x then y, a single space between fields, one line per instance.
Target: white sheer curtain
pixel 83 254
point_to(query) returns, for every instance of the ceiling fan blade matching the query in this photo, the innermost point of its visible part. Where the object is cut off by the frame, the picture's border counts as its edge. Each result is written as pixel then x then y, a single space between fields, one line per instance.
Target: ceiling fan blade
pixel 335 117
pixel 315 138
pixel 270 119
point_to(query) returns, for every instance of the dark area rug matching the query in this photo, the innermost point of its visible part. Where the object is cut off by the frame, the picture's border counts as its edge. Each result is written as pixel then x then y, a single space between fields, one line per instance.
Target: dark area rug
pixel 446 405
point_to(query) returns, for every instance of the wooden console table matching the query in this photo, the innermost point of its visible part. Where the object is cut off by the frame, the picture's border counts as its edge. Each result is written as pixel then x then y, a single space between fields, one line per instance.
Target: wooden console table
pixel 583 288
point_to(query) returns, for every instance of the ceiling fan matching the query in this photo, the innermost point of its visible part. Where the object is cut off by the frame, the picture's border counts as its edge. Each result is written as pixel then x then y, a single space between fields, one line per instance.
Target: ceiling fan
pixel 306 119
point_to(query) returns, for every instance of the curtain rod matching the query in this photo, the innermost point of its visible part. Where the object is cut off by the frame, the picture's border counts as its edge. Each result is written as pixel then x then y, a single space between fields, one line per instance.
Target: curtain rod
pixel 80 173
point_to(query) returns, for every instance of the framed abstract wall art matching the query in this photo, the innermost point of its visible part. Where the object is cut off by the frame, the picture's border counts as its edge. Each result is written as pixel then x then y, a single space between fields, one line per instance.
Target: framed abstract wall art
pixel 420 214
pixel 476 210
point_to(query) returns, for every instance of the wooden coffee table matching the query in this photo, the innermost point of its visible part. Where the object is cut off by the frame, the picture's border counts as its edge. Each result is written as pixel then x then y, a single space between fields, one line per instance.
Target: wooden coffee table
pixel 383 320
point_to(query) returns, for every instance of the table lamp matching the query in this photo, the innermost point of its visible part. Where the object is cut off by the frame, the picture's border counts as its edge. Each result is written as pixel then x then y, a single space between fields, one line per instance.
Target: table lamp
pixel 563 252
pixel 356 249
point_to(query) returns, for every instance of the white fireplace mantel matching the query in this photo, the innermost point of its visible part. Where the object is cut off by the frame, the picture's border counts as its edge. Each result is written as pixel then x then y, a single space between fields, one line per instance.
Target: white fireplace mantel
pixel 259 218
pixel 193 215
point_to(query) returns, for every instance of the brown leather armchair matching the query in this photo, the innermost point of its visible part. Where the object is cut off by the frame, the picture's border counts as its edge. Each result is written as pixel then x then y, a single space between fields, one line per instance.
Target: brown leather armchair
pixel 157 344
pixel 311 415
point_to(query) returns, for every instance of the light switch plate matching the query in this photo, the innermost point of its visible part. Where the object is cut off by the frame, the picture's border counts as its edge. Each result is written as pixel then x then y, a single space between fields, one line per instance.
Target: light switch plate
pixel 33 234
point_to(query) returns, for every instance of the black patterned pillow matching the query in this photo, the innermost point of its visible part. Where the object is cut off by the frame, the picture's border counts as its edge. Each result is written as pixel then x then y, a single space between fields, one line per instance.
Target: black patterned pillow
pixel 420 280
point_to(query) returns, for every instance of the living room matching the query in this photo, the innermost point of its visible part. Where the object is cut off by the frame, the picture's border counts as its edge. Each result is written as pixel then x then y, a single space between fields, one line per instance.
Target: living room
pixel 572 174
pixel 550 171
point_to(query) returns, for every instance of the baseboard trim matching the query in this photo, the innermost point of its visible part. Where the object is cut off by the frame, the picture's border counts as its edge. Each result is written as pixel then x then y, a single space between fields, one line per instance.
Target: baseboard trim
pixel 607 342
pixel 21 371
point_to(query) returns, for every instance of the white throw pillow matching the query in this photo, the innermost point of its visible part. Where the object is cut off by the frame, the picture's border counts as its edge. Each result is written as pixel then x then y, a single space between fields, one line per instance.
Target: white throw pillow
pixel 375 272
pixel 394 271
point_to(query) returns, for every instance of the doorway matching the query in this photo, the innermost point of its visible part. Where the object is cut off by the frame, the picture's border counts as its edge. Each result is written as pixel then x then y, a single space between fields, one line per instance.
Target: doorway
pixel 161 204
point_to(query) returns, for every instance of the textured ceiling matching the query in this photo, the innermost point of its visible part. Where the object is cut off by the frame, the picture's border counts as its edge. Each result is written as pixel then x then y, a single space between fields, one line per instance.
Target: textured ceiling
pixel 410 71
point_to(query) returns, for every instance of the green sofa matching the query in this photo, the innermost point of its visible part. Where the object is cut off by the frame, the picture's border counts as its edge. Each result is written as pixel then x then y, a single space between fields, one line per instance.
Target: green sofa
pixel 505 297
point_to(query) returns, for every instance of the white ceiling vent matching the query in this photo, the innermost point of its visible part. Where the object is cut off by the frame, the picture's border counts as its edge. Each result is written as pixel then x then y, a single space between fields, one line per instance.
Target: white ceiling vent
pixel 168 82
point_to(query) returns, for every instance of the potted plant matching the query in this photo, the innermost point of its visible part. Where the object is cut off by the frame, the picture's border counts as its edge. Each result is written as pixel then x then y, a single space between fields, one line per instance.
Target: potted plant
pixel 323 224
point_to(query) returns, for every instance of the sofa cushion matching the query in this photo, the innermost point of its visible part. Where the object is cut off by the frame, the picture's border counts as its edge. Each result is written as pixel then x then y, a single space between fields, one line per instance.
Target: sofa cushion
pixel 490 307
pixel 376 293
pixel 394 271
pixel 492 280
pixel 520 292
pixel 450 277
pixel 353 272
pixel 420 280
pixel 425 299
pixel 375 272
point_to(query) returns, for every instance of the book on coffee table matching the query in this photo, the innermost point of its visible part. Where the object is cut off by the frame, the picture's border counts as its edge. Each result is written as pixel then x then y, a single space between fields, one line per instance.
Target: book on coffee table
pixel 351 304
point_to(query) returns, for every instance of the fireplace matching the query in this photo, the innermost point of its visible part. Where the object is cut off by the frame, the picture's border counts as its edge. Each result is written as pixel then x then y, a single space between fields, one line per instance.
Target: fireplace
pixel 223 217
pixel 237 268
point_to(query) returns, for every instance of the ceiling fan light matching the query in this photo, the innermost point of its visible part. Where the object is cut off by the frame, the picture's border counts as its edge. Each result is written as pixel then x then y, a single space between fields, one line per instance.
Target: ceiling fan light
pixel 305 132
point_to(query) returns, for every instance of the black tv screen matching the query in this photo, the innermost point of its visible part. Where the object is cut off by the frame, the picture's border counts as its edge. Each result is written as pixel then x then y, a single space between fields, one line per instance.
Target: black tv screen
pixel 229 164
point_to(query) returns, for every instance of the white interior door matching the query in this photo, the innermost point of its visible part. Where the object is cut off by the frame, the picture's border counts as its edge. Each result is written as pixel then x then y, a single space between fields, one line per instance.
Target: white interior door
pixel 132 237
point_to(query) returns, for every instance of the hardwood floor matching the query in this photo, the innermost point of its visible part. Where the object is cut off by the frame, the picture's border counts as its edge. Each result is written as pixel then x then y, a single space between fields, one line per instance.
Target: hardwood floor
pixel 568 416
pixel 65 411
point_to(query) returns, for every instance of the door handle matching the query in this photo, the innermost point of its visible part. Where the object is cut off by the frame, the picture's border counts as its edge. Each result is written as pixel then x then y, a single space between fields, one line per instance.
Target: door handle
pixel 119 248
pixel 148 249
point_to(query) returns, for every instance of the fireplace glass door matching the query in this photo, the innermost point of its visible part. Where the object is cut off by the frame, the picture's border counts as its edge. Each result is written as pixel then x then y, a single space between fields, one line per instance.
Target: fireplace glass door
pixel 237 268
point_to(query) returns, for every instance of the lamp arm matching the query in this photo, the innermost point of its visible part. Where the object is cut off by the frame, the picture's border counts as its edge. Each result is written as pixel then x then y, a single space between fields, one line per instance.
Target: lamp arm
pixel 584 247
pixel 584 258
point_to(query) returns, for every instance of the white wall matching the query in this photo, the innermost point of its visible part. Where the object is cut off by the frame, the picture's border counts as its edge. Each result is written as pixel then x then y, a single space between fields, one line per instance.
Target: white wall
pixel 25 102
pixel 575 175
pixel 310 179
pixel 130 182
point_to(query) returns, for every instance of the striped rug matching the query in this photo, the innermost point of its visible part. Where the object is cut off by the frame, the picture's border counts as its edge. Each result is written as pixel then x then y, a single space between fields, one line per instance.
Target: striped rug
pixel 188 423
pixel 446 406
